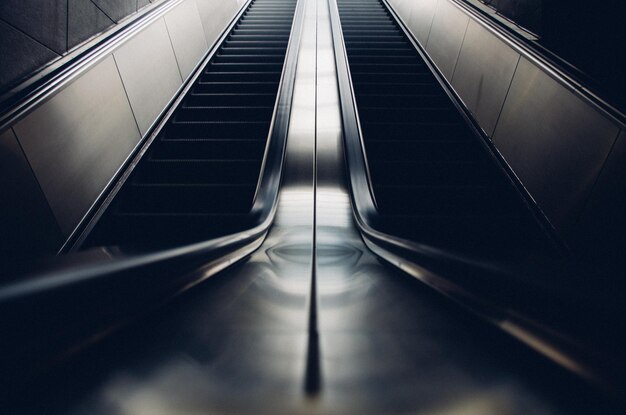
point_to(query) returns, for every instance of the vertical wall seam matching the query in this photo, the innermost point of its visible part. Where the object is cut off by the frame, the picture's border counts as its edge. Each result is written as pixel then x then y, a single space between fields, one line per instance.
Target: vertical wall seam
pixel 195 6
pixel 432 21
pixel 456 61
pixel 132 111
pixel 492 133
pixel 169 36
pixel 30 168
pixel 594 187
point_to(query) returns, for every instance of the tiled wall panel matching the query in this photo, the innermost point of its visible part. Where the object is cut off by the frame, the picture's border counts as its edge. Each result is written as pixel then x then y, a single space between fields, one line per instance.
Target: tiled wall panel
pixel 149 71
pixel 483 74
pixel 187 35
pixel 446 37
pixel 76 141
pixel 26 217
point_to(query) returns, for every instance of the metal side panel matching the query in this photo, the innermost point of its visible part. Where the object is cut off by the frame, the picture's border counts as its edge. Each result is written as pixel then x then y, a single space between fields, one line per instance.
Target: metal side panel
pixel 555 142
pixel 76 141
pixel 187 35
pixel 421 18
pixel 603 225
pixel 483 74
pixel 446 37
pixel 403 8
pixel 215 15
pixel 149 71
pixel 26 224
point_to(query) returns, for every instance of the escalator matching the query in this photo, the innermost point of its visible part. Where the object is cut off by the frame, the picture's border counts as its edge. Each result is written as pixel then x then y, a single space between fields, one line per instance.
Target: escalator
pixel 433 178
pixel 199 177
pixel 309 320
pixel 196 199
pixel 433 197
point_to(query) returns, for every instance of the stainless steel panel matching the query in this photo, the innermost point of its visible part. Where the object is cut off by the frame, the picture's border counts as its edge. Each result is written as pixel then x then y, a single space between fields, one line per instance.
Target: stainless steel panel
pixel 446 37
pixel 483 74
pixel 602 226
pixel 215 15
pixel 421 19
pixel 76 141
pixel 27 226
pixel 403 9
pixel 187 35
pixel 207 10
pixel 555 142
pixel 149 71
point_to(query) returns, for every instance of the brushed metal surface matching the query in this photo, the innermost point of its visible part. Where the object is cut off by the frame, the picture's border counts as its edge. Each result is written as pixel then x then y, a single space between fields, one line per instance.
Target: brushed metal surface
pixel 76 141
pixel 187 35
pixel 483 74
pixel 149 72
pixel 421 19
pixel 446 36
pixel 27 226
pixel 403 8
pixel 555 142
pixel 215 15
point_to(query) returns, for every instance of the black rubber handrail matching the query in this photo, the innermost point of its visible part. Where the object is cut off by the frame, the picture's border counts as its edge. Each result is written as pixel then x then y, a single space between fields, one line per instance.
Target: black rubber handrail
pixel 46 316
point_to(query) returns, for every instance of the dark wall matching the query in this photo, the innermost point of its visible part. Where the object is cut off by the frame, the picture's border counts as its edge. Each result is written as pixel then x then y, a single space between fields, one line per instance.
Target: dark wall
pixel 35 32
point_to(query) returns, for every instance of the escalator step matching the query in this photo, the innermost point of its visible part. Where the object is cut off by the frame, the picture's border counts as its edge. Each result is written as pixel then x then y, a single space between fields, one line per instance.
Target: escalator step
pixel 432 178
pixel 230 149
pixel 211 113
pixel 188 198
pixel 194 171
pixel 198 178
pixel 227 100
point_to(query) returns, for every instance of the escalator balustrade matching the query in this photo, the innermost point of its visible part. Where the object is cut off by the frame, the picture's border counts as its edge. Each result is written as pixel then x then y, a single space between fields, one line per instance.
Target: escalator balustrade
pixel 433 180
pixel 198 178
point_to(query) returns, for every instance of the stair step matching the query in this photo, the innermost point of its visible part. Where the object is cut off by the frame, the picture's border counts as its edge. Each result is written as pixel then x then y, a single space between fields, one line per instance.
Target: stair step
pixel 254 130
pixel 187 199
pixel 226 149
pixel 209 113
pixel 227 100
pixel 198 171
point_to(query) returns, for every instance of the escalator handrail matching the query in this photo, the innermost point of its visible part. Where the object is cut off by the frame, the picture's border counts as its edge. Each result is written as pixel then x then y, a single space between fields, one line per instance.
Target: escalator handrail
pixel 162 275
pixel 575 80
pixel 17 104
pixel 434 266
pixel 263 210
pixel 78 236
